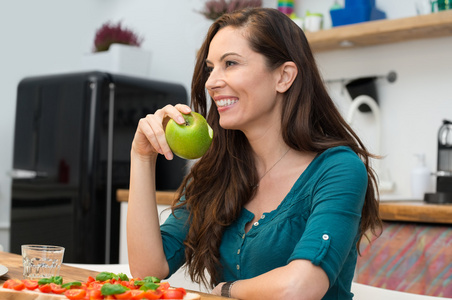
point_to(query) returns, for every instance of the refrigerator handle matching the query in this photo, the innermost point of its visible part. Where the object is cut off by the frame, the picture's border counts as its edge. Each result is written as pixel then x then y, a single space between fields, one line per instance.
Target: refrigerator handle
pixel 26 174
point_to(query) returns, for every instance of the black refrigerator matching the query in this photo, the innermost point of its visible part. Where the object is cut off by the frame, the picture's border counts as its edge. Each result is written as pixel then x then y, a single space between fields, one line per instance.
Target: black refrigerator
pixel 72 140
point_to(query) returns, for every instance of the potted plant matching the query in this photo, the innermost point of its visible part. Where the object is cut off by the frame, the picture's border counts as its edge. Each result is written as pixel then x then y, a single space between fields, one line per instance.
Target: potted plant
pixel 117 50
pixel 109 34
pixel 213 9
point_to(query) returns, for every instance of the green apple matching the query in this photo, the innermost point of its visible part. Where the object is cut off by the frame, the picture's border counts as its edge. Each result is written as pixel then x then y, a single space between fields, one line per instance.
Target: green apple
pixel 191 139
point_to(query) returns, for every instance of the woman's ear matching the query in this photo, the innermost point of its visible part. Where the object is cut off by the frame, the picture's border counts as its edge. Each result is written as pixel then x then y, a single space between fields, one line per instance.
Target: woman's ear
pixel 287 73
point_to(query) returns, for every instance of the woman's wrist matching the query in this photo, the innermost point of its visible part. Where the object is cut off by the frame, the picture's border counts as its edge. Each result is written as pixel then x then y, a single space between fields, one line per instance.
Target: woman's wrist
pixel 226 289
pixel 134 155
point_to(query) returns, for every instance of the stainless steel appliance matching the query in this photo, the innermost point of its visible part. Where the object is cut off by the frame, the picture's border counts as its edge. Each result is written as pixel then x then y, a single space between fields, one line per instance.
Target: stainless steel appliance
pixel 72 143
pixel 444 174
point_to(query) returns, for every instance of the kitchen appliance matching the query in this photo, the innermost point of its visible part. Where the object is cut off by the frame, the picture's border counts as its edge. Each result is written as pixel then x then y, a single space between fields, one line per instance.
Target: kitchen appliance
pixel 72 141
pixel 444 174
pixel 363 86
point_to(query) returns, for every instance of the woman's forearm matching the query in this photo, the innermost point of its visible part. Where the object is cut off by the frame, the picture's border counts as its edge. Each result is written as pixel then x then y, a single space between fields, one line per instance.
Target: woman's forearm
pixel 300 279
pixel 144 240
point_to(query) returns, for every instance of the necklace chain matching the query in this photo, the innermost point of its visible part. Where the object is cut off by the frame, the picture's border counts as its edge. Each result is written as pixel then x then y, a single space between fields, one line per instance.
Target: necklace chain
pixel 266 172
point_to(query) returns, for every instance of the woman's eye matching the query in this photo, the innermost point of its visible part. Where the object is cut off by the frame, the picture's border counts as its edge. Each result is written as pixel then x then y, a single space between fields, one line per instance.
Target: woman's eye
pixel 230 63
pixel 208 69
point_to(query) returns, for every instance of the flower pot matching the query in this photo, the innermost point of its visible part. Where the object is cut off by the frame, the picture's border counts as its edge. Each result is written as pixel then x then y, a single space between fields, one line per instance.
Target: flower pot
pixel 119 59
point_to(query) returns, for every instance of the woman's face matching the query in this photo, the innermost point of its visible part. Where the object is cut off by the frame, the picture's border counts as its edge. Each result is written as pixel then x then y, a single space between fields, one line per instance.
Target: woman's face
pixel 240 83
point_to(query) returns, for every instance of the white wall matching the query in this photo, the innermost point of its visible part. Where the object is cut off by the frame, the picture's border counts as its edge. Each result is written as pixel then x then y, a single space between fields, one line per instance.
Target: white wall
pixel 51 36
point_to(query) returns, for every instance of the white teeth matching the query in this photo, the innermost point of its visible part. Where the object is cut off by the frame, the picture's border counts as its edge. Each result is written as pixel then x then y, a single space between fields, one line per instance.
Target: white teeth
pixel 226 102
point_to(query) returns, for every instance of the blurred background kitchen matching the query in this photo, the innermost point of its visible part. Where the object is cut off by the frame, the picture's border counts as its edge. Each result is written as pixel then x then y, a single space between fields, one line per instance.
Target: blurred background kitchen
pixel 52 37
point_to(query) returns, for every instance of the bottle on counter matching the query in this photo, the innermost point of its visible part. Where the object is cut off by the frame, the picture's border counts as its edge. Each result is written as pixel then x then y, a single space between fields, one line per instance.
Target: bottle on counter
pixel 420 178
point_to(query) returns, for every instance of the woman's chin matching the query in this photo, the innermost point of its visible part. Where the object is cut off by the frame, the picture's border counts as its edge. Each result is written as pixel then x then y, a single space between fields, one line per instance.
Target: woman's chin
pixel 227 124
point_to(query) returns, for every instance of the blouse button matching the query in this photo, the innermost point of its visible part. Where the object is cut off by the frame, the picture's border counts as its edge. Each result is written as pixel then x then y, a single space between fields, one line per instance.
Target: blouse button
pixel 263 217
pixel 238 251
pixel 243 236
pixel 325 237
pixel 256 223
pixel 238 267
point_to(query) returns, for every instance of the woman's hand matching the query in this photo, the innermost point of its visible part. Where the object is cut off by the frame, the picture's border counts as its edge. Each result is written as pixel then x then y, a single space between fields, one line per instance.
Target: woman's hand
pixel 217 289
pixel 149 139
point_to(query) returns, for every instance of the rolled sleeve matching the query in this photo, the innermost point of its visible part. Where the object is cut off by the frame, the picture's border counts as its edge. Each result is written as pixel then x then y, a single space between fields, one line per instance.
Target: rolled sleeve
pixel 174 231
pixel 332 228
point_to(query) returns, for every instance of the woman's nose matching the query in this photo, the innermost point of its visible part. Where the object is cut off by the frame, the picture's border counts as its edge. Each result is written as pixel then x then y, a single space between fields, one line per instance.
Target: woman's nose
pixel 214 81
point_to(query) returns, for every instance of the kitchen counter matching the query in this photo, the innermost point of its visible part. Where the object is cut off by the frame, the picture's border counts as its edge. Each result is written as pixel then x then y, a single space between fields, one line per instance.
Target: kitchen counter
pixel 416 211
pixel 406 211
pixel 163 197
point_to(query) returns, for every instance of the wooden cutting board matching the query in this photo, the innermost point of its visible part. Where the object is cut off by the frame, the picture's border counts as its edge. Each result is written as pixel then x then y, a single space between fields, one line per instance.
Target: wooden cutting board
pixel 7 294
pixel 14 264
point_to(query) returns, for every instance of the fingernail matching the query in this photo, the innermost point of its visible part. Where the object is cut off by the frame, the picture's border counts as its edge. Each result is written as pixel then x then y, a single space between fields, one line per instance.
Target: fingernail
pixel 169 156
pixel 180 120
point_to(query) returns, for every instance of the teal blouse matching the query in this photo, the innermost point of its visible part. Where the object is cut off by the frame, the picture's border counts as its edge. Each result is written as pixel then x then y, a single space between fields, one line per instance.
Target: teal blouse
pixel 318 221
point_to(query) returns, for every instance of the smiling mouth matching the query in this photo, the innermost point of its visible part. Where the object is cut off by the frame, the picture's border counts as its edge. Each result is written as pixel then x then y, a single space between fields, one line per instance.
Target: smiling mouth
pixel 225 102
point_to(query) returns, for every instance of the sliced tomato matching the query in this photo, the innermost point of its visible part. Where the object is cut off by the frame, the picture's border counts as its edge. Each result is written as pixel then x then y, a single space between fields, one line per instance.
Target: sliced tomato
pixel 163 286
pixel 132 284
pixel 57 289
pixel 90 279
pixel 151 294
pixel 19 286
pixel 74 294
pixel 30 284
pixel 125 295
pixel 173 294
pixel 14 284
pixel 92 294
pixel 45 288
pixel 182 290
pixel 95 285
pixel 137 294
pixel 6 284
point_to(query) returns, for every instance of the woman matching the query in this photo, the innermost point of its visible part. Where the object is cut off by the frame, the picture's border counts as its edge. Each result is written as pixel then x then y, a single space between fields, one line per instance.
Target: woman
pixel 277 206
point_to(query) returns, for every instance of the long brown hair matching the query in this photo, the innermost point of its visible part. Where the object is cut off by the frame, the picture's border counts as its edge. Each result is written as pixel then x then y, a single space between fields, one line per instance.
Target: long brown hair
pixel 221 182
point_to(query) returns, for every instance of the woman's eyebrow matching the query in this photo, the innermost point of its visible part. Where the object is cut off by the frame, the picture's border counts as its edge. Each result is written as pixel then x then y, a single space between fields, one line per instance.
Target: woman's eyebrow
pixel 224 56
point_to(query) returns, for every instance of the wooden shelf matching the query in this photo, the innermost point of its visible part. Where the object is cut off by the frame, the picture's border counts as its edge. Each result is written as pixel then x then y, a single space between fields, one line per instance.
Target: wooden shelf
pixel 382 32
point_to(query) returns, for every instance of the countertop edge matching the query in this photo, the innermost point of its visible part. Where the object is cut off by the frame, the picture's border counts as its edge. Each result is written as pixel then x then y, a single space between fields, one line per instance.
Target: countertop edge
pixel 397 210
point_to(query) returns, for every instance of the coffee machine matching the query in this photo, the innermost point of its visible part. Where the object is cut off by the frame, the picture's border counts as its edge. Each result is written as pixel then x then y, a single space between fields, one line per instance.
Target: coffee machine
pixel 444 174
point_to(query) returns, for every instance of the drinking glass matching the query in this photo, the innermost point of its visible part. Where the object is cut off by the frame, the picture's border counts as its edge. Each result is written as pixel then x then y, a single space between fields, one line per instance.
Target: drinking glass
pixel 41 261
